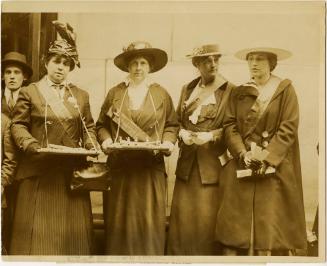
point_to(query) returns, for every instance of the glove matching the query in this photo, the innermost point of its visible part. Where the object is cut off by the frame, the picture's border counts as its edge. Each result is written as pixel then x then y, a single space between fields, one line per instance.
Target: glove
pixel 255 164
pixel 246 159
pixel 203 137
pixel 186 136
pixel 260 172
pixel 105 145
pixel 32 148
pixel 170 147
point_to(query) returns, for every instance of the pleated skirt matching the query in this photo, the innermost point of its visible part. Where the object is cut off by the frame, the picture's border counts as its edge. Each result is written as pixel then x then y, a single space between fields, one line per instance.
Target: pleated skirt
pixel 193 217
pixel 50 219
pixel 135 212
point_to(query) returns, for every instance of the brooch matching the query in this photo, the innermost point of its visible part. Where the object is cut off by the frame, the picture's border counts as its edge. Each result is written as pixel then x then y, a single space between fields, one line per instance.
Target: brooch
pixel 73 101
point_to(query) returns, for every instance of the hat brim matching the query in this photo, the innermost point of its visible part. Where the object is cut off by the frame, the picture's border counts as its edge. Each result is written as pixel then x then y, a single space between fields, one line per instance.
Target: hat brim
pixel 280 53
pixel 202 55
pixel 160 58
pixel 26 68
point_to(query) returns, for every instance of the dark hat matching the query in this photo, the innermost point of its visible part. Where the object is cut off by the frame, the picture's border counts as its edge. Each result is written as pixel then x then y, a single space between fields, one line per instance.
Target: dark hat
pixel 67 44
pixel 17 59
pixel 204 50
pixel 62 47
pixel 141 48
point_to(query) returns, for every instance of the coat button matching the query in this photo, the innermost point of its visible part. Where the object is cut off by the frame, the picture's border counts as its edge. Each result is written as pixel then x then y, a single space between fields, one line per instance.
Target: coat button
pixel 265 134
pixel 265 144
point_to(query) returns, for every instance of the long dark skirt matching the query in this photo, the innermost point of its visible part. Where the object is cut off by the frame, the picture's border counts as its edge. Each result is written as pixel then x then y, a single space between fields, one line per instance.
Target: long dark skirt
pixel 135 212
pixel 50 219
pixel 193 217
pixel 7 215
pixel 261 214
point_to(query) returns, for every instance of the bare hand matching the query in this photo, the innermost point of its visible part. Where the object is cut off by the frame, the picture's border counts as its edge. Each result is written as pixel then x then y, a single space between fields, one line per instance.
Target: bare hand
pixel 170 146
pixel 106 144
pixel 32 148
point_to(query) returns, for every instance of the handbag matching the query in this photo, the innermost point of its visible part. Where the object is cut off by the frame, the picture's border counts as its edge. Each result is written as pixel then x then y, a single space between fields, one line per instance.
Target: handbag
pixel 91 176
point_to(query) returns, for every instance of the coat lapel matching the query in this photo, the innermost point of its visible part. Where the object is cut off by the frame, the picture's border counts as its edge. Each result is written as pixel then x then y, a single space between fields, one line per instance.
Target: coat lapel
pixel 281 87
pixel 4 107
pixel 121 103
pixel 223 101
pixel 190 87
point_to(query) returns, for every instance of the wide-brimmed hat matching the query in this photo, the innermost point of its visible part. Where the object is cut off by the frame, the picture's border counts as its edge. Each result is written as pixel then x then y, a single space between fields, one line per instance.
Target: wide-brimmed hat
pixel 19 59
pixel 280 53
pixel 141 48
pixel 204 50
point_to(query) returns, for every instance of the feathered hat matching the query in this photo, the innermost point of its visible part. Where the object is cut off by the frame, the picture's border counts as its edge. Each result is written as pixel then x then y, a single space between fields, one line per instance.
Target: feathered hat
pixel 67 44
pixel 141 48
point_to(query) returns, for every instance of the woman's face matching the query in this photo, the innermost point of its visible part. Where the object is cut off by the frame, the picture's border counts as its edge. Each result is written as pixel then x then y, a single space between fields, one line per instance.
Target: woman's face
pixel 208 67
pixel 58 68
pixel 258 65
pixel 138 68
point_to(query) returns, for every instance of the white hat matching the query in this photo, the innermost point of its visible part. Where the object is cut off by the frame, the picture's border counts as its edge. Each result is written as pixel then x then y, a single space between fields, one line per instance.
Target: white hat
pixel 280 53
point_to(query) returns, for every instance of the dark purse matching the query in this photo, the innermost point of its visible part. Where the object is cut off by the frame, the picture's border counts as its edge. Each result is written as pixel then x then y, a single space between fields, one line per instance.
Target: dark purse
pixel 91 176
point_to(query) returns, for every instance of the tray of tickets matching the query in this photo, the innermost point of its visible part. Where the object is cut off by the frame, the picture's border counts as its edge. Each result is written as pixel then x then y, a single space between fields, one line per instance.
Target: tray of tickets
pixel 64 150
pixel 137 145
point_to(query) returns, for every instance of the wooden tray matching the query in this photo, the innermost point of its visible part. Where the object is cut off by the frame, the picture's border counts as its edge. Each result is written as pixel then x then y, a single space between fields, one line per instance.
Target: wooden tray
pixel 68 151
pixel 137 146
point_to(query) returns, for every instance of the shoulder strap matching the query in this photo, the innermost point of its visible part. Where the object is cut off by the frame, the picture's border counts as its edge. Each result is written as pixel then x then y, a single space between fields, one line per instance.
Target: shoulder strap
pixel 128 125
pixel 57 106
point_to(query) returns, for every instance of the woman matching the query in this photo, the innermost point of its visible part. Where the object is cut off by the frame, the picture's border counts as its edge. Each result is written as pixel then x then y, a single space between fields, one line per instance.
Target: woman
pixel 49 218
pixel 140 110
pixel 196 194
pixel 262 214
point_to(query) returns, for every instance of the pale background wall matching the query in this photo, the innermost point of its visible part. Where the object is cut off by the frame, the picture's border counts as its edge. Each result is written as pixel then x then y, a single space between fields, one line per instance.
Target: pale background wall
pixel 296 27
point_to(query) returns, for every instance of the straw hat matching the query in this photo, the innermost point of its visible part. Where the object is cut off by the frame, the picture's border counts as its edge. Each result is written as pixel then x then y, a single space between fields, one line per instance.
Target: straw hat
pixel 280 53
pixel 204 50
pixel 16 58
pixel 141 48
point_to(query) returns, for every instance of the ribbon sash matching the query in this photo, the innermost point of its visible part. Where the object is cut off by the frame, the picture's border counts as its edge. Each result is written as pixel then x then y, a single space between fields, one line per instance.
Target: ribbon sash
pixel 128 125
pixel 57 106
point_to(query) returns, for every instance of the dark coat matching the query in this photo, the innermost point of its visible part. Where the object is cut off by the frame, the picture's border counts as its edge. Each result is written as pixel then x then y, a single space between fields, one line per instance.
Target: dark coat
pixel 166 116
pixel 276 201
pixel 207 154
pixel 135 207
pixel 4 107
pixel 9 156
pixel 28 126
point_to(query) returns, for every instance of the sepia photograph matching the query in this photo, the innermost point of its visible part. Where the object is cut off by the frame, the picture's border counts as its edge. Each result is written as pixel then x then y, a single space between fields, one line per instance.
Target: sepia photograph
pixel 163 131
